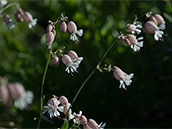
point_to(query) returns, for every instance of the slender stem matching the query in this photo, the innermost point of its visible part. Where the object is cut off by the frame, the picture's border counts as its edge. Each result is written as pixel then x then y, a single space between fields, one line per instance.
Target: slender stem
pixel 9 5
pixel 42 89
pixel 106 52
pixel 83 85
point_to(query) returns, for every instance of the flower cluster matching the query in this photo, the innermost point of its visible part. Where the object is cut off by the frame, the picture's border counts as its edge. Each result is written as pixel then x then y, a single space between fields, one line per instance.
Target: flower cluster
pixel 14 93
pixel 56 105
pixel 155 26
pixel 20 16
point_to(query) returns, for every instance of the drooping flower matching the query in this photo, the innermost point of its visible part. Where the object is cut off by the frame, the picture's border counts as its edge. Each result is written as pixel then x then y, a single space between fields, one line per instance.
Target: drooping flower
pixel 8 23
pixel 135 44
pixel 73 29
pixel 53 108
pixel 122 77
pixel 133 28
pixel 63 27
pixel 76 119
pixel 73 55
pixel 158 20
pixel 92 123
pixel 49 39
pixel 71 66
pixel 151 27
pixel 28 17
pixel 55 60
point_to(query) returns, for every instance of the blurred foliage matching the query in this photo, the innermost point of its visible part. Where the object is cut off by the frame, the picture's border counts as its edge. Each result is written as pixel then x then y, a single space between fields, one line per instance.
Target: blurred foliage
pixel 146 103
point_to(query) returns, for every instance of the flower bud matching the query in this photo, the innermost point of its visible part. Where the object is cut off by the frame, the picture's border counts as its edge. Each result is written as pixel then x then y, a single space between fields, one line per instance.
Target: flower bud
pixel 16 90
pixel 154 20
pixel 72 27
pixel 28 17
pixel 130 27
pixel 72 54
pixel 55 61
pixel 132 39
pixel 18 17
pixel 150 27
pixel 49 28
pixel 54 32
pixel 19 11
pixel 51 101
pixel 66 59
pixel 4 94
pixel 118 73
pixel 63 100
pixel 83 120
pixel 159 19
pixel 6 18
pixel 92 123
pixel 63 27
pixel 49 37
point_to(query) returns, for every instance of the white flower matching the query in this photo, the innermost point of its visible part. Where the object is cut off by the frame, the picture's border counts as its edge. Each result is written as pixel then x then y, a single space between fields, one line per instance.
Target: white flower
pixel 77 117
pixel 24 100
pixel 71 67
pixel 137 45
pixel 33 23
pixel 2 3
pixel 73 36
pixel 11 24
pixel 101 125
pixel 53 110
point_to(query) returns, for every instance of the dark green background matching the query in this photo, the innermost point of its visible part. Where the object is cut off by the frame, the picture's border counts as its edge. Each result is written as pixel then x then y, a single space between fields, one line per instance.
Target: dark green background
pixel 147 102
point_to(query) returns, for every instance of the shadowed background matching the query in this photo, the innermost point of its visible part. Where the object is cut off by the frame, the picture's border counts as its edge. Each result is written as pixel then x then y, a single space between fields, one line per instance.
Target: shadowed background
pixel 146 103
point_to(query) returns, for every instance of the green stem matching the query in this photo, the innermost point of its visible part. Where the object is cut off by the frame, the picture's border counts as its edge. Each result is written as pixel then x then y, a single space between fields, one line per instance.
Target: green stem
pixel 42 90
pixel 9 5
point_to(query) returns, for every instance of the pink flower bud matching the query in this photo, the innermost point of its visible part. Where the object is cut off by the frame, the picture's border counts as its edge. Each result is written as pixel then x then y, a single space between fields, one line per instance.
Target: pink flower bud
pixel 49 37
pixel 92 123
pixel 4 94
pixel 51 101
pixel 63 27
pixel 150 27
pixel 132 39
pixel 66 59
pixel 6 18
pixel 154 20
pixel 49 28
pixel 159 19
pixel 28 17
pixel 16 90
pixel 72 27
pixel 118 73
pixel 54 32
pixel 130 27
pixel 83 120
pixel 19 11
pixel 55 61
pixel 72 54
pixel 63 100
pixel 18 17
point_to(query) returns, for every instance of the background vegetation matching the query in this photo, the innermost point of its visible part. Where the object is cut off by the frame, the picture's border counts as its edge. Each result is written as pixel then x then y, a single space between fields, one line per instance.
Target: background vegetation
pixel 146 103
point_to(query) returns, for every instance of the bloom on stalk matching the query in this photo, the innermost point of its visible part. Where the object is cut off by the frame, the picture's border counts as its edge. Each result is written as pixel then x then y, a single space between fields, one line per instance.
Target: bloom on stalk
pixel 122 77
pixel 73 55
pixel 76 119
pixel 73 29
pixel 53 108
pixel 135 44
pixel 8 23
pixel 133 28
pixel 151 27
pixel 28 17
pixel 71 66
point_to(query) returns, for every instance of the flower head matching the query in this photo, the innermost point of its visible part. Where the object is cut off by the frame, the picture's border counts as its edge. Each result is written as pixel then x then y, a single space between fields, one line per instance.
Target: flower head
pixel 73 29
pixel 53 108
pixel 73 55
pixel 28 17
pixel 151 27
pixel 122 77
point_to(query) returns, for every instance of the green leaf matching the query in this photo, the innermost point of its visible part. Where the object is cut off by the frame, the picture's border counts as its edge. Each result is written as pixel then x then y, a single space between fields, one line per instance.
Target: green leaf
pixel 65 125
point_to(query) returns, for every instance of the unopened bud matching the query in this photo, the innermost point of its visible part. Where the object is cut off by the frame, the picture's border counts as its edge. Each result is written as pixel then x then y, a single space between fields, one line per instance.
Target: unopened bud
pixel 55 61
pixel 49 28
pixel 63 100
pixel 20 11
pixel 28 17
pixel 6 18
pixel 63 27
pixel 4 94
pixel 72 54
pixel 72 27
pixel 18 17
pixel 49 37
